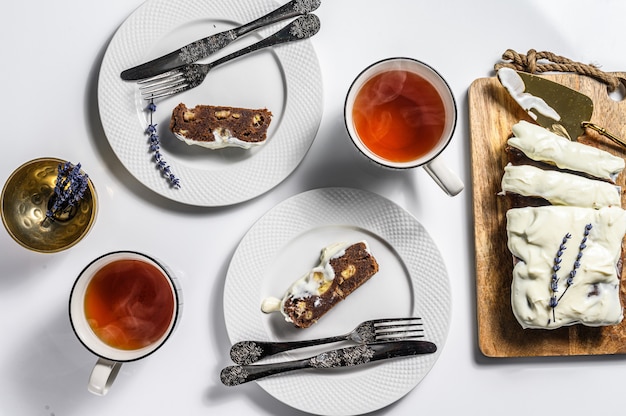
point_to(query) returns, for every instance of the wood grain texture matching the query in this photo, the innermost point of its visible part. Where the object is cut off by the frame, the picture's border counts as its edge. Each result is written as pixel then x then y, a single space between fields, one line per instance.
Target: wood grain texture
pixel 492 113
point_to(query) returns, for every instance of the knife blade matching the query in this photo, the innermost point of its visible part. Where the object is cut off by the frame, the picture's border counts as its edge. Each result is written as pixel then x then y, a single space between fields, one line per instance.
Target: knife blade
pixel 204 47
pixel 344 357
pixel 553 106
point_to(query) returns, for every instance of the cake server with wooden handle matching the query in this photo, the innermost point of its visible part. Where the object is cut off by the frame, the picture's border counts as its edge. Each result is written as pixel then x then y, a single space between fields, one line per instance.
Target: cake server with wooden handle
pixel 344 357
pixel 204 47
pixel 553 106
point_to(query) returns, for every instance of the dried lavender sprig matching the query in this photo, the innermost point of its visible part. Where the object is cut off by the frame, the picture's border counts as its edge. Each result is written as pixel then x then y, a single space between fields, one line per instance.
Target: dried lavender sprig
pixel 69 189
pixel 77 186
pixel 554 301
pixel 554 282
pixel 579 256
pixel 155 146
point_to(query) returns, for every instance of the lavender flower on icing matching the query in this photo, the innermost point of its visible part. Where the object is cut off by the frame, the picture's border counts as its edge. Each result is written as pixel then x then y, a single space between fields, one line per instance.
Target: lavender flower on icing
pixel 554 281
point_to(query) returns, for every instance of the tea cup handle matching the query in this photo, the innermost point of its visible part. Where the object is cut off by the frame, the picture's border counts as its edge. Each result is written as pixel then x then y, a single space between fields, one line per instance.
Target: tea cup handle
pixel 444 176
pixel 102 376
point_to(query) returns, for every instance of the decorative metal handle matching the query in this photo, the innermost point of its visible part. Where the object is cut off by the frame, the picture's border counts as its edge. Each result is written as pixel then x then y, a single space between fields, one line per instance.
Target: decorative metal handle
pixel 235 375
pixel 302 28
pixel 248 352
pixel 603 131
pixel 292 9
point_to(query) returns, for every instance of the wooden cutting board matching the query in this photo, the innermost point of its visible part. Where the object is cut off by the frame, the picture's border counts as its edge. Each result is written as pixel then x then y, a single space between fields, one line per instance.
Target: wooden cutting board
pixel 492 114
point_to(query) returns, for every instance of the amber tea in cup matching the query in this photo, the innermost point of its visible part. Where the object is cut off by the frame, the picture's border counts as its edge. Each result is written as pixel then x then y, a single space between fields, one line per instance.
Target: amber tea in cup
pixel 401 113
pixel 123 307
pixel 129 304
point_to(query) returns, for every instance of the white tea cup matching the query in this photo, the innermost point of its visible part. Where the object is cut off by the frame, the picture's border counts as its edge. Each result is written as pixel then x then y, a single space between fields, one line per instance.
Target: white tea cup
pixel 123 306
pixel 401 113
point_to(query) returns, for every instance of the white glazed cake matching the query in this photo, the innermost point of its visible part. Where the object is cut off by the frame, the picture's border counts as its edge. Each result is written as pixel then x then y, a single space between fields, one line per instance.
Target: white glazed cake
pixel 565 231
pixel 559 188
pixel 342 269
pixel 550 244
pixel 542 145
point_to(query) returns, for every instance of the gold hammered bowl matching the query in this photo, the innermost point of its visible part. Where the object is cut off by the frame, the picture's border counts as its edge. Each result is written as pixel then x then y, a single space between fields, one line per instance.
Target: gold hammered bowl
pixel 24 204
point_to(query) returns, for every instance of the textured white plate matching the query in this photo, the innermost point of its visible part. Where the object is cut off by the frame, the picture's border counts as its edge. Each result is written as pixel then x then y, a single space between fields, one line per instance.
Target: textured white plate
pixel 286 79
pixel 285 243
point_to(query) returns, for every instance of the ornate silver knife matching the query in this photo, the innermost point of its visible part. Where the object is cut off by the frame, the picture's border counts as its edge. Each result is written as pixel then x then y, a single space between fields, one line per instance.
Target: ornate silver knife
pixel 344 357
pixel 211 44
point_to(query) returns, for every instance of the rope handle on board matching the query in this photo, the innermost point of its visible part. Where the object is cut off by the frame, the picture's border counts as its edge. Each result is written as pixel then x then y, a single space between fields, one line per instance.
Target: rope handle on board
pixel 543 61
pixel 538 62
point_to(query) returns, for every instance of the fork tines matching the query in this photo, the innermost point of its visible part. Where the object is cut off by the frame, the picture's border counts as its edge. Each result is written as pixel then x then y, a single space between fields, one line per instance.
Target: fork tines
pixel 172 82
pixel 399 329
pixel 163 85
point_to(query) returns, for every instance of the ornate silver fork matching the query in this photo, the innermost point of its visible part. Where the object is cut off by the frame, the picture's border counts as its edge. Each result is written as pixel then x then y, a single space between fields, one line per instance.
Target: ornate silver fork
pixel 190 76
pixel 368 332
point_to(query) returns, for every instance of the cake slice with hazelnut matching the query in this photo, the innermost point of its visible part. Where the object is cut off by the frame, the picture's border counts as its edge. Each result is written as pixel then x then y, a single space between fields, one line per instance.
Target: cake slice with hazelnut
pixel 216 127
pixel 343 268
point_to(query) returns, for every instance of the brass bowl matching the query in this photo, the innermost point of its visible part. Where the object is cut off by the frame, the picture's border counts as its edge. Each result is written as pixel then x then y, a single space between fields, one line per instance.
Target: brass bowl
pixel 25 199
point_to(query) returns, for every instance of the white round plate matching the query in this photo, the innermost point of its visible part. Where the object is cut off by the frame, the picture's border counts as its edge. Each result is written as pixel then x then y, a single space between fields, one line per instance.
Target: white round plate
pixel 285 243
pixel 285 79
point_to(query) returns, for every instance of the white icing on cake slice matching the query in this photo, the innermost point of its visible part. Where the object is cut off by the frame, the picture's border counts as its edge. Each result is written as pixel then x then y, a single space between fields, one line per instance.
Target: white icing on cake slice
pixel 309 284
pixel 223 139
pixel 535 235
pixel 542 145
pixel 559 188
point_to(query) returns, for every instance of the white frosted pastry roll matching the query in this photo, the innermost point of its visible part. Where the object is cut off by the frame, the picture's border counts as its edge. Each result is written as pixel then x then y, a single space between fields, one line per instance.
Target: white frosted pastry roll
pixel 542 145
pixel 559 188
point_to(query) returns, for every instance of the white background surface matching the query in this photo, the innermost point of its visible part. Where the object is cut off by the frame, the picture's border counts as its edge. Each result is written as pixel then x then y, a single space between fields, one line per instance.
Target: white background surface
pixel 51 56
